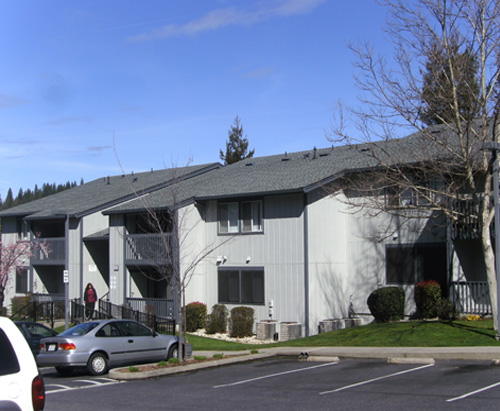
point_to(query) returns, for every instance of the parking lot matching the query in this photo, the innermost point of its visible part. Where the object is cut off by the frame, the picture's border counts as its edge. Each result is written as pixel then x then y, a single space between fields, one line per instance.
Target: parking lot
pixel 289 384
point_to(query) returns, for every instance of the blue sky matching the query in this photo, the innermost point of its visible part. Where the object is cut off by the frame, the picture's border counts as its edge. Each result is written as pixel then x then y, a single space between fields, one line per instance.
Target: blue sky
pixel 91 87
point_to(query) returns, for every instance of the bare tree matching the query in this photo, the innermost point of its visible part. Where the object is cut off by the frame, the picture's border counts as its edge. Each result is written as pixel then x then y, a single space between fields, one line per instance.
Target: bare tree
pixel 175 249
pixel 440 170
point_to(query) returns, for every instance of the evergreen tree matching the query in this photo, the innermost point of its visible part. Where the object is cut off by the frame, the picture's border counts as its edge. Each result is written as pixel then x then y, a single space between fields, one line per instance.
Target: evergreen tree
pixel 9 199
pixel 450 86
pixel 237 145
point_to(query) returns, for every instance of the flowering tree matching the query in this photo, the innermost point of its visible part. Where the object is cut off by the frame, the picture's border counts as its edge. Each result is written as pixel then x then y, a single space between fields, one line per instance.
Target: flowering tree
pixel 12 257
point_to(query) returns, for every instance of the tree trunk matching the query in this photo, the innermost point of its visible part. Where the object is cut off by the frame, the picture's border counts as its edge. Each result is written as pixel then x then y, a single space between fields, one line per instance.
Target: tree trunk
pixel 2 297
pixel 489 260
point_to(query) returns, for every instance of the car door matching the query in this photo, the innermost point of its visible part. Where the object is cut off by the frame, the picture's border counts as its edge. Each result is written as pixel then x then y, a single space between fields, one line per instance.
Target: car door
pixel 110 339
pixel 141 343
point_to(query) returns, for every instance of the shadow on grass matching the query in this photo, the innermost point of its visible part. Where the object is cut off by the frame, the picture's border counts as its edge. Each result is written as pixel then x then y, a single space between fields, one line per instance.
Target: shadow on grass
pixel 471 328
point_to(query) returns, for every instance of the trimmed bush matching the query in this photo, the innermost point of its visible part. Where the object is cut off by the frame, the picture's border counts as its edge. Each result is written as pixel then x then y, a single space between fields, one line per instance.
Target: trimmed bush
pixel 446 310
pixel 217 320
pixel 241 322
pixel 196 314
pixel 20 303
pixel 427 295
pixel 387 304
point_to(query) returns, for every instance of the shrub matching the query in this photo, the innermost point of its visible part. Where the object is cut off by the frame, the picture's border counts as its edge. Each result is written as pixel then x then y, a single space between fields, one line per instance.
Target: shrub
pixel 387 304
pixel 20 303
pixel 241 321
pixel 195 316
pixel 427 295
pixel 217 320
pixel 446 310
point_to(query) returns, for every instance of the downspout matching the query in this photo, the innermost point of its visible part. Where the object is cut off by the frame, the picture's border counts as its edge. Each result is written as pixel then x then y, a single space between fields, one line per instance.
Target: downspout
pixel 306 267
pixel 80 291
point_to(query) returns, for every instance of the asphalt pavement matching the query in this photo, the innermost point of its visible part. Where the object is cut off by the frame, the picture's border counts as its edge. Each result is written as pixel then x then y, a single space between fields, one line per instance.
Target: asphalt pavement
pixel 417 355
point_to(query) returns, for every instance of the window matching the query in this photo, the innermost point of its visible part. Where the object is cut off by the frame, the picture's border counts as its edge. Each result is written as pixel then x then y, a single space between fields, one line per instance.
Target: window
pixel 22 281
pixel 9 363
pixel 240 217
pixel 228 218
pixel 241 286
pixel 409 264
pixel 425 191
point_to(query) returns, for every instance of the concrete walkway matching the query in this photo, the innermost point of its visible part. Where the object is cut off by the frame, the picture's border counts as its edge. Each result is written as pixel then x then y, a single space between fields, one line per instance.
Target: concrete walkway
pixel 392 354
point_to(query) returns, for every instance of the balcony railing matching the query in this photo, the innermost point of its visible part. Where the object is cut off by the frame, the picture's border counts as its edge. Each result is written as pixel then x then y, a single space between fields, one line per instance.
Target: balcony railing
pixel 49 251
pixel 157 306
pixel 471 297
pixel 148 249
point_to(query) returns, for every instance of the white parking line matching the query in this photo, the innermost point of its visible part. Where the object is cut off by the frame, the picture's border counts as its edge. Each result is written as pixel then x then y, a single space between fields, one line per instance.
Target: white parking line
pixel 375 379
pixel 474 392
pixel 65 387
pixel 90 382
pixel 274 375
pixel 62 388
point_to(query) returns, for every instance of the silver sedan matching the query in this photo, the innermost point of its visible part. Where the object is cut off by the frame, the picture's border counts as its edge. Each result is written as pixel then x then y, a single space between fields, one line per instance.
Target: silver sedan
pixel 99 345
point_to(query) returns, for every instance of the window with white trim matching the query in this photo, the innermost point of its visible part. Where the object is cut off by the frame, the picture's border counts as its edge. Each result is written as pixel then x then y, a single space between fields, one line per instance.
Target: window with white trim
pixel 240 217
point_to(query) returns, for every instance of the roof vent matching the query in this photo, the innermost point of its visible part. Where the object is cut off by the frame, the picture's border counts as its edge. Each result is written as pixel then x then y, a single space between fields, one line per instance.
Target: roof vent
pixel 286 157
pixel 315 153
pixel 107 180
pixel 248 164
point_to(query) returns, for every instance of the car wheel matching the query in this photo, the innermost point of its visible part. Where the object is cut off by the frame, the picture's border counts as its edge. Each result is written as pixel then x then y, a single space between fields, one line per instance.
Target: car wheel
pixel 66 371
pixel 173 352
pixel 98 364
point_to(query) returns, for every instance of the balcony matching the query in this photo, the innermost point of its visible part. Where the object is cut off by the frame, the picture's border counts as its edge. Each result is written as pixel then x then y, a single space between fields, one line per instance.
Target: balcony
pixel 149 249
pixel 471 297
pixel 49 251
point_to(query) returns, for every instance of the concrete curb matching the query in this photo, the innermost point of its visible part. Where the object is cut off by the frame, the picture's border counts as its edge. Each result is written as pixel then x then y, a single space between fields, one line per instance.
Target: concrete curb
pixel 124 374
pixel 406 360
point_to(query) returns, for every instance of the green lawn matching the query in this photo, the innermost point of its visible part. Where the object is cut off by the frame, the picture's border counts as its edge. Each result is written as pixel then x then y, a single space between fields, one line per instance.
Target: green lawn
pixel 404 334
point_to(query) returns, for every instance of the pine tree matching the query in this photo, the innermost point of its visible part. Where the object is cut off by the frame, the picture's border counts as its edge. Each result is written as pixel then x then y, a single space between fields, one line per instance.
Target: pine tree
pixel 9 199
pixel 237 145
pixel 450 86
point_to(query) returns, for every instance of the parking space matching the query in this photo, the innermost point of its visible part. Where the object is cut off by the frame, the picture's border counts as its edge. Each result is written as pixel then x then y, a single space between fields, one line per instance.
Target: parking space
pixel 288 384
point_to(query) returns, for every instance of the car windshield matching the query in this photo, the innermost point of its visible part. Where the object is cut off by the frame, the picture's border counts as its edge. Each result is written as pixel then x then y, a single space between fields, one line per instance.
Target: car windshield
pixel 80 329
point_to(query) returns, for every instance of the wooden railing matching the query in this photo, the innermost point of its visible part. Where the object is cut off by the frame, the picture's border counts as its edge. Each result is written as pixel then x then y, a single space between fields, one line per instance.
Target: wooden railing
pixel 152 249
pixel 157 306
pixel 49 251
pixel 471 297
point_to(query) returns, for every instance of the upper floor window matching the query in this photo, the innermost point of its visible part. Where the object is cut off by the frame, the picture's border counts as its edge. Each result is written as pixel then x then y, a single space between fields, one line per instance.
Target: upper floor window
pixel 424 192
pixel 240 217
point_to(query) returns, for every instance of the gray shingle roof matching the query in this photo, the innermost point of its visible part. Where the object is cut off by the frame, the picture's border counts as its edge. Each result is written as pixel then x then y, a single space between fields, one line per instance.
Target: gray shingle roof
pixel 286 173
pixel 103 193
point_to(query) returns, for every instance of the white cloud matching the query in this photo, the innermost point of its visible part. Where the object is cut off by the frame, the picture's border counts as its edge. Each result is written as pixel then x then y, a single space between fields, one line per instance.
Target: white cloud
pixel 10 101
pixel 232 16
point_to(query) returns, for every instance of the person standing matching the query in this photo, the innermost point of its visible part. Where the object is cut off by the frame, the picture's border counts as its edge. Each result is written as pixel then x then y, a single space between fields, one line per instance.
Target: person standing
pixel 89 297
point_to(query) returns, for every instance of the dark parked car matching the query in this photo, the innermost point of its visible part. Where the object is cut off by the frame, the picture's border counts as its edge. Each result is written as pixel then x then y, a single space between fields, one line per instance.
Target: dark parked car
pixel 98 345
pixel 34 332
